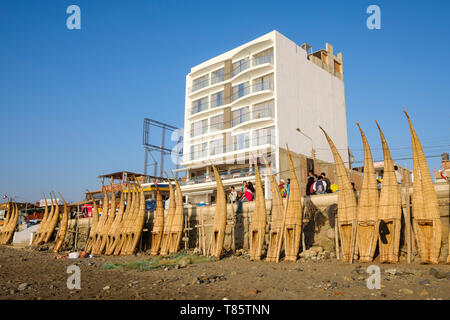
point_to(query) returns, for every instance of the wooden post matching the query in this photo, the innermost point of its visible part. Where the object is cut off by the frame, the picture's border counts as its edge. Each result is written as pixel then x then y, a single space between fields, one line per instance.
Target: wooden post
pixel 336 236
pixel 407 217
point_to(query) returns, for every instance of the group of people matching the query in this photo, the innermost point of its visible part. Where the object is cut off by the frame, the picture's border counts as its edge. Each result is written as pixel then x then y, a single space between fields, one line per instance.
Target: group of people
pixel 317 184
pixel 245 194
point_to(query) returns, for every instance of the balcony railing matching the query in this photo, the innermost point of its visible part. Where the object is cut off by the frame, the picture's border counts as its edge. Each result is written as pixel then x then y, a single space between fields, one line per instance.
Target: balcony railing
pixel 199 108
pixel 268 58
pixel 200 84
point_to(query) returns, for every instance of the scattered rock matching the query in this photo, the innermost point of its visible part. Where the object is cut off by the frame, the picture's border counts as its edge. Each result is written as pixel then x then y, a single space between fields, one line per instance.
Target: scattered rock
pixel 177 267
pixel 392 271
pixel 106 288
pixel 406 291
pixel 23 286
pixel 436 274
pixel 425 282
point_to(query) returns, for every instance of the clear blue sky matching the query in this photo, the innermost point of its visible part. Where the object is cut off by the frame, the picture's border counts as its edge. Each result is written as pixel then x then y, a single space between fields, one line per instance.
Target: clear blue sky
pixel 73 101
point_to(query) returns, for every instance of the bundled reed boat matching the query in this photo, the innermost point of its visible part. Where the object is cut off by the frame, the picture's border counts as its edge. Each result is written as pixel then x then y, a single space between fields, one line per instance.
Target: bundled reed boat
pixel 258 223
pixel 114 231
pixel 124 225
pixel 52 221
pixel 390 209
pixel 294 216
pixel 169 221
pixel 128 227
pixel 426 216
pixel 62 227
pixel 178 221
pixel 9 227
pixel 101 224
pixel 367 213
pixel 277 220
pixel 138 224
pixel 42 224
pixel 220 219
pixel 158 223
pixel 346 206
pixel 94 227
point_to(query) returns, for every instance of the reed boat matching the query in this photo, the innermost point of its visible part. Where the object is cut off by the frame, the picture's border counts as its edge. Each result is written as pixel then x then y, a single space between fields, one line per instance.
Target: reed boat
pixel 39 239
pixel 42 224
pixel 138 223
pixel 94 226
pixel 176 231
pixel 62 227
pixel 389 210
pixel 101 224
pixel 426 217
pixel 128 227
pixel 294 216
pixel 53 222
pixel 114 231
pixel 4 231
pixel 277 219
pixel 9 227
pixel 258 223
pixel 126 219
pixel 108 223
pixel 220 219
pixel 367 213
pixel 165 243
pixel 158 223
pixel 346 206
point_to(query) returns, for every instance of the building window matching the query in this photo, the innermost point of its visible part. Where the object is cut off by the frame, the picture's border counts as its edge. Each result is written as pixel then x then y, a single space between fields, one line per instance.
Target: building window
pixel 199 128
pixel 263 136
pixel 200 83
pixel 241 141
pixel 216 123
pixel 199 151
pixel 199 105
pixel 218 76
pixel 217 99
pixel 263 83
pixel 216 147
pixel 263 110
pixel 240 90
pixel 263 57
pixel 240 66
pixel 240 116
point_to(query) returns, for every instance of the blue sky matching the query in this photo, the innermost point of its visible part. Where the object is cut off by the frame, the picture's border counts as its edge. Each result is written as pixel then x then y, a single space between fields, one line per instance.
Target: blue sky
pixel 73 101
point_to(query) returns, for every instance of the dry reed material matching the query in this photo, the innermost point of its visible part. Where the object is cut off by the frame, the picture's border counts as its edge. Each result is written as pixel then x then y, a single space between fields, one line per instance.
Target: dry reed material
pixel 426 216
pixel 62 227
pixel 53 222
pixel 101 224
pixel 390 209
pixel 178 221
pixel 346 205
pixel 158 223
pixel 114 231
pixel 367 213
pixel 277 220
pixel 10 225
pixel 294 216
pixel 94 227
pixel 42 224
pixel 258 223
pixel 45 226
pixel 168 222
pixel 220 219
pixel 137 225
pixel 120 240
pixel 129 228
pixel 3 231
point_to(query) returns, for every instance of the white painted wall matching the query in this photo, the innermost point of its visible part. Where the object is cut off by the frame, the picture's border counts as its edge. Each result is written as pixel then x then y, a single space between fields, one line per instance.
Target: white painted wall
pixel 308 96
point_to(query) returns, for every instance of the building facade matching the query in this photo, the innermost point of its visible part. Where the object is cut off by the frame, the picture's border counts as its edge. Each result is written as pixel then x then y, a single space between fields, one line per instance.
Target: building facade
pixel 256 100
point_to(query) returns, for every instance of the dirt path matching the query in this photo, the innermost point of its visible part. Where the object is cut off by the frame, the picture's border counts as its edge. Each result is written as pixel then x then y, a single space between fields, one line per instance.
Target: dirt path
pixel 29 274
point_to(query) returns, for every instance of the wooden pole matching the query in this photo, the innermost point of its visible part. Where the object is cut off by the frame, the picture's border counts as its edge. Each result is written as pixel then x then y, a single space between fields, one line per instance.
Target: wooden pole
pixel 407 216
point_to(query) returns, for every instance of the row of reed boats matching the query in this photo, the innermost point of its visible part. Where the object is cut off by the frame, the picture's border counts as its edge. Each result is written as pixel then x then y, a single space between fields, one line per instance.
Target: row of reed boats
pixel 375 220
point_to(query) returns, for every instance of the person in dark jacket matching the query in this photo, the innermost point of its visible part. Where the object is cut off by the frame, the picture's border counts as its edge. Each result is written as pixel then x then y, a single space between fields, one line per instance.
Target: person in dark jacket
pixel 325 178
pixel 309 185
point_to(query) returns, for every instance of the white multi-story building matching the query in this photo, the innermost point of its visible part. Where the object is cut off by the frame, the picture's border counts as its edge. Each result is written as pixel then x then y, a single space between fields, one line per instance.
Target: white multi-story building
pixel 256 99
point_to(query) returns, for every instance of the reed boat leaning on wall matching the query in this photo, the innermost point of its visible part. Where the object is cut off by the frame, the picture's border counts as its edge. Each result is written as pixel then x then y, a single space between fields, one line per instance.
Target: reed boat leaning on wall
pixel 128 228
pixel 426 217
pixel 294 216
pixel 277 220
pixel 114 231
pixel 94 226
pixel 220 219
pixel 3 231
pixel 389 210
pixel 165 243
pixel 9 227
pixel 138 223
pixel 42 223
pixel 258 223
pixel 53 221
pixel 39 239
pixel 176 231
pixel 123 228
pixel 62 227
pixel 158 223
pixel 109 221
pixel 346 206
pixel 101 223
pixel 367 213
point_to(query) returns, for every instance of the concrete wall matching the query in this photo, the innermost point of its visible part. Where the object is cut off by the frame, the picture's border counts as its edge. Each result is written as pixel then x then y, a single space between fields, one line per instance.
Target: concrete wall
pixel 308 96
